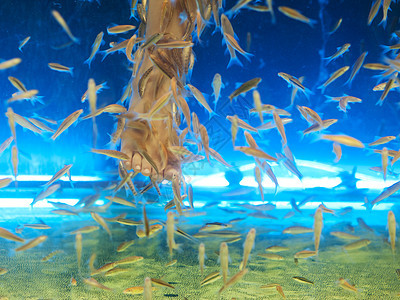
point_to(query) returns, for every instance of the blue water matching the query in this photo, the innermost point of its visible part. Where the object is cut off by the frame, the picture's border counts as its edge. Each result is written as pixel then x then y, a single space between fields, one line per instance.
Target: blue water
pixel 286 45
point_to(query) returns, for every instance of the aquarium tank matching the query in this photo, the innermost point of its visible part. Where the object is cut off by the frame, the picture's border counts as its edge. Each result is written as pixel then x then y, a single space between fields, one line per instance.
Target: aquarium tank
pixel 199 149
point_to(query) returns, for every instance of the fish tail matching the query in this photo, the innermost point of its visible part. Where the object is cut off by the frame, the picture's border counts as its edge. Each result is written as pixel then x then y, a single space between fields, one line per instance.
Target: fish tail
pixel 104 54
pixel 76 40
pixel 385 48
pixel 322 88
pixel 88 61
pixel 234 61
pixel 312 23
pixel 383 23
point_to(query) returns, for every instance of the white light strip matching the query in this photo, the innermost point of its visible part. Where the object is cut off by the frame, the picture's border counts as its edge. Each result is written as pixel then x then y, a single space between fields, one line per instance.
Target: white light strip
pixel 293 182
pixel 25 202
pixel 332 205
pixel 216 180
pixel 48 177
pixel 318 166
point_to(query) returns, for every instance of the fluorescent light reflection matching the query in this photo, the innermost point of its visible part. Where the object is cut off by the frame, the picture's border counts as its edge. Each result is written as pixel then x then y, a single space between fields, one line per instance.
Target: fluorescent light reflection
pixel 25 202
pixel 48 177
pixel 209 181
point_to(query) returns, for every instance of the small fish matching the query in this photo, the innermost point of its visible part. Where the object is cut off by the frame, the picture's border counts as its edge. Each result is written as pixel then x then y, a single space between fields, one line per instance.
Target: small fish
pixel 111 153
pixel 46 193
pixel 376 66
pixel 239 4
pixel 129 260
pixel 64 25
pixel 336 26
pixel 202 257
pixel 41 125
pixel 357 66
pixel 389 85
pixel 392 230
pixel 78 248
pixel 162 283
pixel 257 174
pixel 4 182
pixel 343 140
pixel 67 123
pixel 95 47
pixel 343 283
pixel 235 45
pixel 364 225
pixel 58 175
pixel 302 280
pixel 115 108
pixel 17 84
pixel 170 233
pixel 104 268
pixel 381 86
pixel 3 271
pixel 101 221
pixel 245 87
pixel 235 278
pixel 135 290
pixel 95 283
pixel 200 98
pixel 124 245
pixel 386 193
pixel 64 212
pixel 384 156
pixel 373 11
pixel 344 235
pixel 340 51
pixel 23 43
pixel 120 29
pixel 217 85
pixel 335 75
pixel 241 123
pixel 120 200
pixel 248 245
pixel 171 263
pixel 115 271
pixel 10 63
pixel 271 256
pixel 297 230
pixel 210 278
pixel 61 68
pixel 254 152
pixel 276 249
pixel 385 9
pixel 305 254
pixel 296 15
pixel 6 144
pixel 357 245
pixel 85 229
pixel 37 226
pixel 147 289
pixel 280 127
pixel 5 234
pixel 14 161
pixel 32 243
pixel 317 228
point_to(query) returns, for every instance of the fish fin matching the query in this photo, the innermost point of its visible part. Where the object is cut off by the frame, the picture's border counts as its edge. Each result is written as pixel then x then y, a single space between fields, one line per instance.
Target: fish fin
pixel 104 53
pixel 312 23
pixel 383 23
pixel 88 61
pixel 234 61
